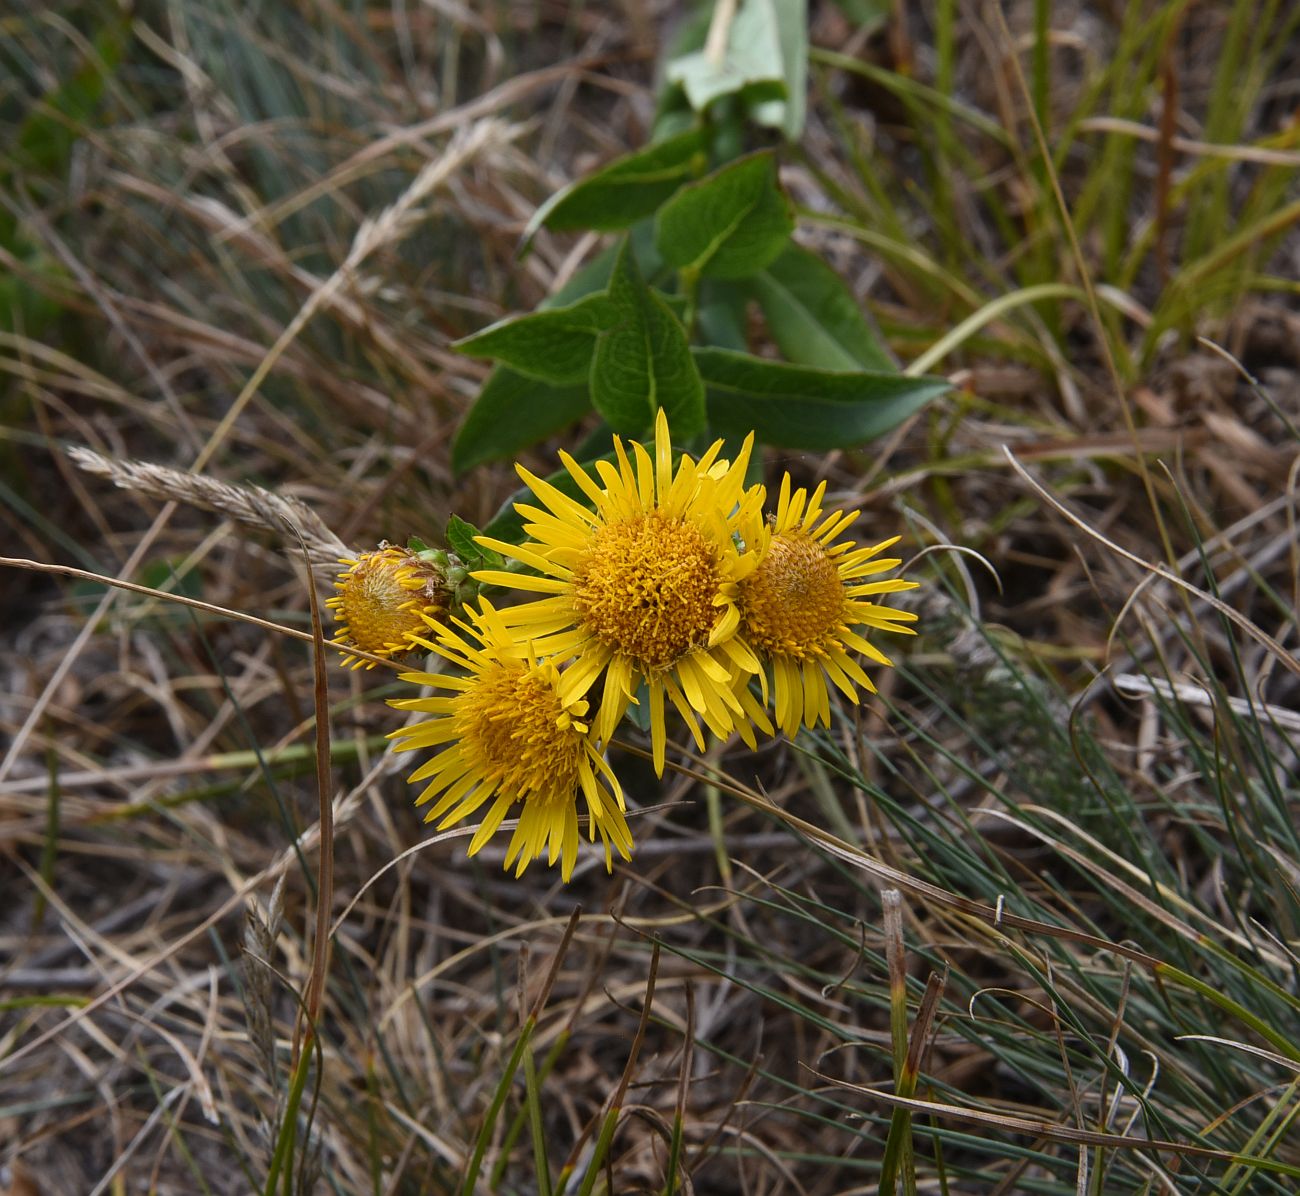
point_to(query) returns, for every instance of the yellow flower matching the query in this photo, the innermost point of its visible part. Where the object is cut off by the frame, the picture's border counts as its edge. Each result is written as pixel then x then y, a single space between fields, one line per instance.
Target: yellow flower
pixel 384 597
pixel 509 736
pixel 644 586
pixel 798 609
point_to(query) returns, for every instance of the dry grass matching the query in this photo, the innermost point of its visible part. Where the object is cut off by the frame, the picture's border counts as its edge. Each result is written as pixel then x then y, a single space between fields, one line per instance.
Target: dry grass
pixel 250 260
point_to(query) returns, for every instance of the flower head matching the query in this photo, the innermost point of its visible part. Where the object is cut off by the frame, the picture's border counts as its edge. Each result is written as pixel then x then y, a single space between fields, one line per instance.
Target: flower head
pixel 800 607
pixel 643 585
pixel 509 736
pixel 384 598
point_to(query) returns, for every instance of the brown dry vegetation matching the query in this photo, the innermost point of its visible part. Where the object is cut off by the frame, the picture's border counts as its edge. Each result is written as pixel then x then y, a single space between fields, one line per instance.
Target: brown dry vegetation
pixel 255 257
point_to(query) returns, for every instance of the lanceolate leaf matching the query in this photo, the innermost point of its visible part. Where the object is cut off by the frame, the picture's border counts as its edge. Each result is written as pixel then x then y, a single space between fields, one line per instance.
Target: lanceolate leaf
pixel 511 413
pixel 627 190
pixel 813 316
pixel 554 345
pixel 721 316
pixel 644 362
pixel 799 407
pixel 789 19
pixel 729 225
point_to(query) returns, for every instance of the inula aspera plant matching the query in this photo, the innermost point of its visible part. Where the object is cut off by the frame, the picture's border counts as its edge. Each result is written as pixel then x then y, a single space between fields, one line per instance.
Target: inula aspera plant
pixel 658 583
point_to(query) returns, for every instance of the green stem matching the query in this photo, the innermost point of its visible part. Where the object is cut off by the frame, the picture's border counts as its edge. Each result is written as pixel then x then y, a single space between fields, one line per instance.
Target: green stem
pixel 282 1159
pixel 494 1109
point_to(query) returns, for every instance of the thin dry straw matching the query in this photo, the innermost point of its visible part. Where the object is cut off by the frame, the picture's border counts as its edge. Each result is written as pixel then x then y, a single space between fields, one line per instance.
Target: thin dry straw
pixel 250 505
pixel 392 222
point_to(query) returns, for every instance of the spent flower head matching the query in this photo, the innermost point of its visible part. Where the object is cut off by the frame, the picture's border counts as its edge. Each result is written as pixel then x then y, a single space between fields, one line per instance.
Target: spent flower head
pixel 508 735
pixel 643 585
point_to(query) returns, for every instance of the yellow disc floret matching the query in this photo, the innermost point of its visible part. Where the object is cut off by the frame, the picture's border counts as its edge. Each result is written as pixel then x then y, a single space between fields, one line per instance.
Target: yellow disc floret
pixel 646 587
pixel 794 602
pixel 515 732
pixel 383 599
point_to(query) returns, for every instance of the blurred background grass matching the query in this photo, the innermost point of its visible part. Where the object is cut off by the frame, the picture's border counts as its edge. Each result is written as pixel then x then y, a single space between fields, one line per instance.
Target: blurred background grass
pixel 1083 742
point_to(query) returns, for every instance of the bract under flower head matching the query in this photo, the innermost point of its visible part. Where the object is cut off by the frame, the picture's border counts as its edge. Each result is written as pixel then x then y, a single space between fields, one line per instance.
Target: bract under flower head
pixel 508 735
pixel 384 597
pixel 643 585
pixel 800 606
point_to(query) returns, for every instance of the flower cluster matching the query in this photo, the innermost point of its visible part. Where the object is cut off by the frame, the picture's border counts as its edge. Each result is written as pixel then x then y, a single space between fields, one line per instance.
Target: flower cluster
pixel 670 585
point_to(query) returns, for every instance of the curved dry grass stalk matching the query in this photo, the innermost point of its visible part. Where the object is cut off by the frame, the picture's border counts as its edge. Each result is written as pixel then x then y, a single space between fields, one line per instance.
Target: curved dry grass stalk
pixel 1052 1130
pixel 1154 570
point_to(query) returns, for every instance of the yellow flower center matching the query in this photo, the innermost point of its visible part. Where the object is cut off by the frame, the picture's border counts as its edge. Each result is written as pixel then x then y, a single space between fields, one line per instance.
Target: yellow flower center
pixel 794 600
pixel 516 734
pixel 646 587
pixel 379 603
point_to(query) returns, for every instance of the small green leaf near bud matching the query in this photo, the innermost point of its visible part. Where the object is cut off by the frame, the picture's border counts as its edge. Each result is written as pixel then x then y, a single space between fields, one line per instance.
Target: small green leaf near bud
pixel 460 535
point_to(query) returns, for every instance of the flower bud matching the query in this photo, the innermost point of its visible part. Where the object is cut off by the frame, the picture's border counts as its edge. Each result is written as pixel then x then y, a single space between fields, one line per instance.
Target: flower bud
pixel 385 596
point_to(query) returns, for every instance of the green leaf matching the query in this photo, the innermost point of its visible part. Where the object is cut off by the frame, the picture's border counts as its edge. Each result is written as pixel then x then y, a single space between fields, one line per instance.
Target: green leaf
pixel 595 275
pixel 511 413
pixel 644 362
pixel 813 316
pixel 790 18
pixel 516 411
pixel 627 190
pixel 721 316
pixel 461 540
pixel 765 63
pixel 752 57
pixel 554 345
pixel 704 81
pixel 729 225
pixel 797 407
